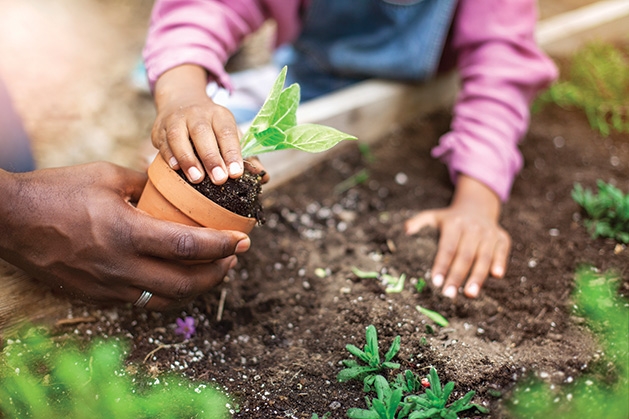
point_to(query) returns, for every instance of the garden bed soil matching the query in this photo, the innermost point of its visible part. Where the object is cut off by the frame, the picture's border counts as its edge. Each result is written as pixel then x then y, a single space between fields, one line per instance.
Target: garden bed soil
pixel 274 333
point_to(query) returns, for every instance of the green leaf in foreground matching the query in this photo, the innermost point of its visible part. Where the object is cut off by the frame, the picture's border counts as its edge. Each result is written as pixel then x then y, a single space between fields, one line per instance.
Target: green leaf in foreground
pixel 45 378
pixel 433 315
pixel 275 126
pixel 598 393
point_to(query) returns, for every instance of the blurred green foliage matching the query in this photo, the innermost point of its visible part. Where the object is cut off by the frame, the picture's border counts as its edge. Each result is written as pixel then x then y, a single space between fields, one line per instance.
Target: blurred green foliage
pixel 44 377
pixel 604 391
pixel 597 81
pixel 608 211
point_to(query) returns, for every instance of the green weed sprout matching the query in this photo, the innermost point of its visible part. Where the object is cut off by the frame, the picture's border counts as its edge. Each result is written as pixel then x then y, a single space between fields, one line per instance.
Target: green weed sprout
pixel 432 404
pixel 370 356
pixel 599 394
pixel 608 211
pixel 275 126
pixel 598 83
pixel 384 406
pixel 42 378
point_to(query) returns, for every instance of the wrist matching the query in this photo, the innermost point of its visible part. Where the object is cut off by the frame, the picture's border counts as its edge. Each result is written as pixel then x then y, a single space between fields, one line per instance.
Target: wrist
pixel 188 81
pixel 8 190
pixel 477 195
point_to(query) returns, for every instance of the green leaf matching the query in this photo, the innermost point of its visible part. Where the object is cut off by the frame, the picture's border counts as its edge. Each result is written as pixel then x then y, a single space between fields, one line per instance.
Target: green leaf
pixel 357 352
pixel 394 349
pixel 313 138
pixel 356 413
pixel 434 316
pixel 285 116
pixel 365 274
pixel 270 137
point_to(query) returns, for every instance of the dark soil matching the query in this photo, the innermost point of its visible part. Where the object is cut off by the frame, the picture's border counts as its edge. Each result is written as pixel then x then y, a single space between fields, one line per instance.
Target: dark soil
pixel 277 344
pixel 241 195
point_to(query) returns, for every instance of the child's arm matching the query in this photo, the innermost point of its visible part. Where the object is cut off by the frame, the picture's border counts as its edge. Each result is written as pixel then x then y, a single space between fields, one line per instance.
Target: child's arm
pixel 501 70
pixel 187 116
pixel 472 243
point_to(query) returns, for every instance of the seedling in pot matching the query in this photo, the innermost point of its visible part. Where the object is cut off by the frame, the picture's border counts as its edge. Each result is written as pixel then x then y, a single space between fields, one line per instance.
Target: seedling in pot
pixel 275 126
pixel 370 356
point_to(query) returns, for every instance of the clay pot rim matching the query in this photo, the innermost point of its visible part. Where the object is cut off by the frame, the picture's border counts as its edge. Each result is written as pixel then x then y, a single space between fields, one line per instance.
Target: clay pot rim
pixel 188 200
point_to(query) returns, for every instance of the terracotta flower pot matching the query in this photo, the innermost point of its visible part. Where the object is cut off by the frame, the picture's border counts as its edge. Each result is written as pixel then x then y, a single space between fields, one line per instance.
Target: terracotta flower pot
pixel 169 197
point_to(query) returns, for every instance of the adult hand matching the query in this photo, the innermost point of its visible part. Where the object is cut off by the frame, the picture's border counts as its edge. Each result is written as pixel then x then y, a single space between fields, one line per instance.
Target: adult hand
pixel 187 116
pixel 472 244
pixel 75 229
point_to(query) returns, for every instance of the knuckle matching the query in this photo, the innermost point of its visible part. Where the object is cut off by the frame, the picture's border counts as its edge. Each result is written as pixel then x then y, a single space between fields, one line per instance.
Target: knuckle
pixel 183 289
pixel 185 246
pixel 200 128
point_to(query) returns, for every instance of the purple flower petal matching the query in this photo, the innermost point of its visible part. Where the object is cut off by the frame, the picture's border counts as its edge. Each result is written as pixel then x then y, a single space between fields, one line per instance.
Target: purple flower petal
pixel 185 327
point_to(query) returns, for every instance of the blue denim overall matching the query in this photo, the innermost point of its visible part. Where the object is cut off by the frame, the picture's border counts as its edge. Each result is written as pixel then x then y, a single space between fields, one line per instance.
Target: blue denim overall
pixel 346 41
pixel 15 147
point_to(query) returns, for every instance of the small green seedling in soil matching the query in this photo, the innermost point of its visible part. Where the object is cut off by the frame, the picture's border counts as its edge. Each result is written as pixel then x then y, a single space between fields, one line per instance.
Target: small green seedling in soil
pixel 608 211
pixel 420 285
pixel 365 274
pixel 275 126
pixel 432 404
pixel 370 356
pixel 394 285
pixel 434 316
pixel 384 406
pixel 354 180
pixel 408 382
pixel 325 416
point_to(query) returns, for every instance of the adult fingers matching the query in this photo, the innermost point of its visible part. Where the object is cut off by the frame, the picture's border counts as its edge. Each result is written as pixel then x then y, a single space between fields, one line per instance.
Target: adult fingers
pixel 173 241
pixel 179 284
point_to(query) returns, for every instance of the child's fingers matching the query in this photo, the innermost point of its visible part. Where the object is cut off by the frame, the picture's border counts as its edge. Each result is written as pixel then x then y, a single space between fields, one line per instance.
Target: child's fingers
pixel 178 139
pixel 446 252
pixel 465 255
pixel 228 139
pixel 423 219
pixel 204 139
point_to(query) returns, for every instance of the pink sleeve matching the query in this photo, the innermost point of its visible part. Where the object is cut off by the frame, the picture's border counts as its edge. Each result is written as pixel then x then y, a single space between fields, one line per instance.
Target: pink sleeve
pixel 207 32
pixel 501 69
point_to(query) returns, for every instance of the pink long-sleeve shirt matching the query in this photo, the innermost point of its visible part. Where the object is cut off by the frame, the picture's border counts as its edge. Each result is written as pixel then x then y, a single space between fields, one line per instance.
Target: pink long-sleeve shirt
pixel 492 42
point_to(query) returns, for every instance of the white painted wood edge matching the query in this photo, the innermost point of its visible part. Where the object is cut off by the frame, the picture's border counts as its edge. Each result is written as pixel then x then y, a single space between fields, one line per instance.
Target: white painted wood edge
pixel 580 20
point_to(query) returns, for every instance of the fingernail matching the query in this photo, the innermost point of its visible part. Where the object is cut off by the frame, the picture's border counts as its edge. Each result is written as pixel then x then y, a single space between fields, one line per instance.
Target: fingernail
pixel 218 173
pixel 194 174
pixel 235 168
pixel 450 292
pixel 472 290
pixel 243 245
pixel 173 163
pixel 437 280
pixel 498 271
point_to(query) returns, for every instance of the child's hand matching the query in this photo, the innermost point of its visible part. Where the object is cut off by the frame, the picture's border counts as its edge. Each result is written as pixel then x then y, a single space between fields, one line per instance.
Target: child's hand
pixel 472 245
pixel 186 116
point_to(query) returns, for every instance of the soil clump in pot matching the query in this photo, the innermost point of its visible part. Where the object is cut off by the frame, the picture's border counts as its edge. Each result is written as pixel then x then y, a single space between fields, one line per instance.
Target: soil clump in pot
pixel 240 195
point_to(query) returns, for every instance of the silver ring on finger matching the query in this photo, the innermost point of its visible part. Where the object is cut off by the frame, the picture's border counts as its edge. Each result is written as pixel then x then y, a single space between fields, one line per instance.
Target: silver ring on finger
pixel 143 299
